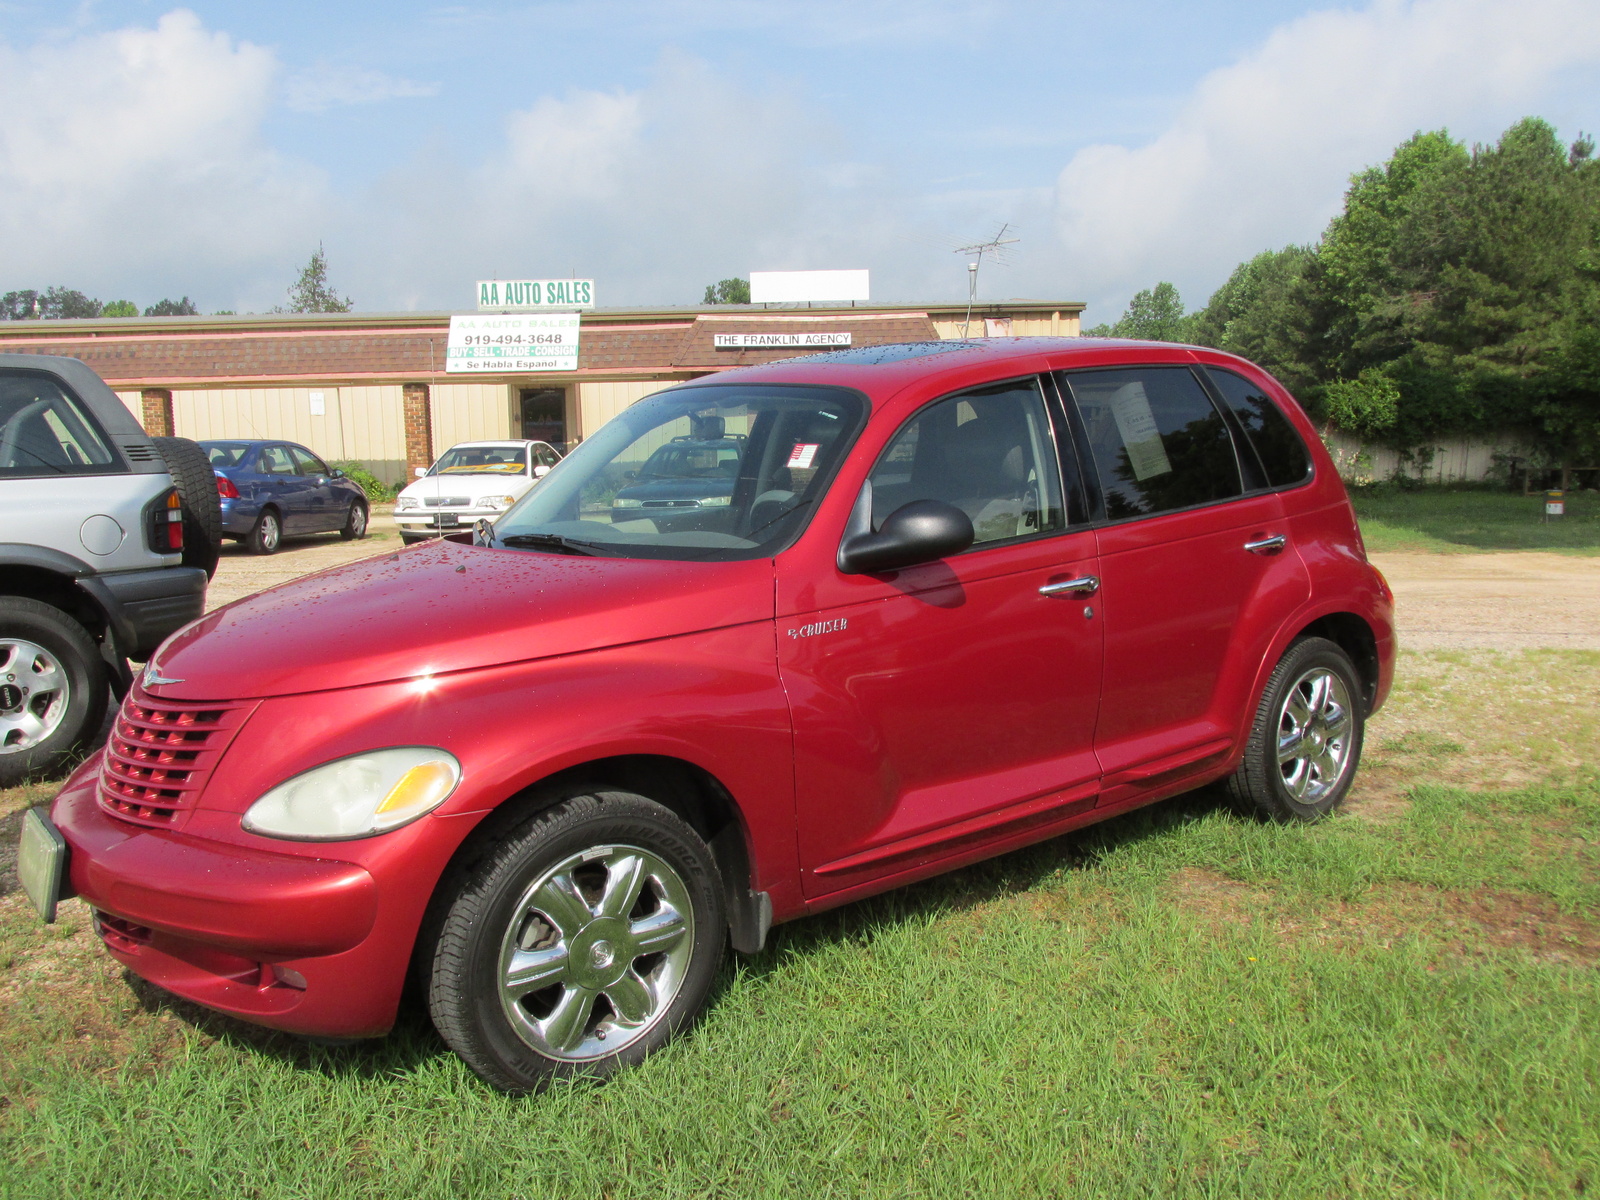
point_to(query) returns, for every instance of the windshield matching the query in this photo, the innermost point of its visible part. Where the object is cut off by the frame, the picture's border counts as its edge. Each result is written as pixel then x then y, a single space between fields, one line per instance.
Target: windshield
pixel 713 472
pixel 482 460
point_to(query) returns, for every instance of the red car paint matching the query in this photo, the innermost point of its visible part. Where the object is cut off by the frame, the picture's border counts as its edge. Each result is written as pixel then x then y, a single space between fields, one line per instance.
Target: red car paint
pixel 869 729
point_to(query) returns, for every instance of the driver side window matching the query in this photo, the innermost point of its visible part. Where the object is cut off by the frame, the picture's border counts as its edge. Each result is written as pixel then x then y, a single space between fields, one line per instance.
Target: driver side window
pixel 989 452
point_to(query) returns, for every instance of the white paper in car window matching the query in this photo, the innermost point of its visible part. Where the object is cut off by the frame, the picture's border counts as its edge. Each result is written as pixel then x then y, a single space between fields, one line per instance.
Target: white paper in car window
pixel 1130 407
pixel 802 455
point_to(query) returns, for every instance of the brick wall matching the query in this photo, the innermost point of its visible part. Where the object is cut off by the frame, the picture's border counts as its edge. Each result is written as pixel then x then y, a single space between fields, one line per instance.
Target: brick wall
pixel 418 409
pixel 157 416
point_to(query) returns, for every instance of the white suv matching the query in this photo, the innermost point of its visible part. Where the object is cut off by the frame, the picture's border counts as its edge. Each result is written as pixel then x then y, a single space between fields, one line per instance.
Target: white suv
pixel 471 480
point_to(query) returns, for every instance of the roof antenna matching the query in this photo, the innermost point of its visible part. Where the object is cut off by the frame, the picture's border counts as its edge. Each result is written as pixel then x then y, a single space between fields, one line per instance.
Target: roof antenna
pixel 996 248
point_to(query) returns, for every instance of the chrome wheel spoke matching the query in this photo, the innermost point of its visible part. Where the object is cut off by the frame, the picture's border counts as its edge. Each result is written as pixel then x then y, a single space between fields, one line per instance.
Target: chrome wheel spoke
pixel 558 898
pixel 47 677
pixel 564 1027
pixel 1289 746
pixel 1298 709
pixel 1336 722
pixel 534 970
pixel 632 998
pixel 624 880
pixel 659 931
pixel 1297 781
pixel 1314 730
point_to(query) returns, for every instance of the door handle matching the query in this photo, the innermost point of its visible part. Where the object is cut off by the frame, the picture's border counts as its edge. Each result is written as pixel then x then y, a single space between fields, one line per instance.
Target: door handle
pixel 1267 545
pixel 1084 585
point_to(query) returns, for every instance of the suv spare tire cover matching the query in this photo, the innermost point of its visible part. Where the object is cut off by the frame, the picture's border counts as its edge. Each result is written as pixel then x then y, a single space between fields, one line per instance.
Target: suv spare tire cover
pixel 202 507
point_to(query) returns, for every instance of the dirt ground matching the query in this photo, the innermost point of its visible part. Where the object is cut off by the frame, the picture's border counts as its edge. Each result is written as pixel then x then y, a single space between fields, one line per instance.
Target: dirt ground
pixel 1520 601
pixel 1525 600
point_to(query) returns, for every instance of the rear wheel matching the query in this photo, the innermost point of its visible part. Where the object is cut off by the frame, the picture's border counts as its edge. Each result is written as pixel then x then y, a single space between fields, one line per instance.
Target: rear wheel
pixel 580 942
pixel 53 686
pixel 202 507
pixel 355 522
pixel 267 536
pixel 1306 740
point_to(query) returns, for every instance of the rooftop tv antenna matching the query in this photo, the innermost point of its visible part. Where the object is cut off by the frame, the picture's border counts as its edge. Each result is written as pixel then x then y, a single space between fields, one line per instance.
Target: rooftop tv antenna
pixel 995 247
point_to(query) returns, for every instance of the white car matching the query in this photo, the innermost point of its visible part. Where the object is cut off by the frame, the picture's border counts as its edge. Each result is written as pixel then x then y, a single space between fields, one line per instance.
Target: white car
pixel 470 480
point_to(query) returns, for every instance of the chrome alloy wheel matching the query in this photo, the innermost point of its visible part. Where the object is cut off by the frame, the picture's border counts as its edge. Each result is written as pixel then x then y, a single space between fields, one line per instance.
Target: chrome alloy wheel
pixel 1314 728
pixel 595 952
pixel 34 694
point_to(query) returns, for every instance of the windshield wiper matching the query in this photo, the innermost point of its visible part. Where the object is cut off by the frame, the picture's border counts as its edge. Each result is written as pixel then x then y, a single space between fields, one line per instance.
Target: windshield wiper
pixel 550 541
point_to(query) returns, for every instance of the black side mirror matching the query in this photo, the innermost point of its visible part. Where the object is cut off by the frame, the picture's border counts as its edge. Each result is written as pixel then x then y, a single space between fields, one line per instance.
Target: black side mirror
pixel 919 532
pixel 336 473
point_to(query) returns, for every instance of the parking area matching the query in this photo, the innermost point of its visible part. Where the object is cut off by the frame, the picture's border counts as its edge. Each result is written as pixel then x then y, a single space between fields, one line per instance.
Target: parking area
pixel 240 573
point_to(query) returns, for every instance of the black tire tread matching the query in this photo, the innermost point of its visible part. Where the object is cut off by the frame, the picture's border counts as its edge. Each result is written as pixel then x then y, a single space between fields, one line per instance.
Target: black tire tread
pixel 252 540
pixel 344 530
pixel 202 508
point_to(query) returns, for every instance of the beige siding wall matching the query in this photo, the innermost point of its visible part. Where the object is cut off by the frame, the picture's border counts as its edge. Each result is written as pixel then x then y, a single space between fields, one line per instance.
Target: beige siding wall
pixel 599 402
pixel 1455 460
pixel 1033 324
pixel 471 412
pixel 359 424
pixel 135 404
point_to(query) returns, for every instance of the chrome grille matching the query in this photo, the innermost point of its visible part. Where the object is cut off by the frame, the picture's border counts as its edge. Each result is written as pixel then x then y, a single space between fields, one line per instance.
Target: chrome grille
pixel 160 754
pixel 446 501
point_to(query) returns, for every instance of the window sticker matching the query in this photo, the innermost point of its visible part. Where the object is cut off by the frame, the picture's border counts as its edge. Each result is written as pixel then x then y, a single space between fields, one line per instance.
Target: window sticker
pixel 803 453
pixel 1130 407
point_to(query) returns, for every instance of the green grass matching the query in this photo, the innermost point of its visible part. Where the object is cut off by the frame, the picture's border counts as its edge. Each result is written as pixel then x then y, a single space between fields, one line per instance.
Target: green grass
pixel 1456 520
pixel 1182 1002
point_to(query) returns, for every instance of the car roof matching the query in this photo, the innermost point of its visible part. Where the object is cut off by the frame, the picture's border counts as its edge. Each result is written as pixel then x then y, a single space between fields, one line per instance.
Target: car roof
pixel 881 371
pixel 498 442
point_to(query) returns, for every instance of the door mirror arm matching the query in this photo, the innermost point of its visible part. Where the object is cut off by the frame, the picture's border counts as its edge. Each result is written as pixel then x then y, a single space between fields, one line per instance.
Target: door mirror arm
pixel 922 531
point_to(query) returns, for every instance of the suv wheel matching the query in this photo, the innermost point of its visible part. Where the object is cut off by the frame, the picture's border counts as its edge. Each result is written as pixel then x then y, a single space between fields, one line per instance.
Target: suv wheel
pixel 202 508
pixel 355 522
pixel 52 689
pixel 581 940
pixel 267 536
pixel 1306 740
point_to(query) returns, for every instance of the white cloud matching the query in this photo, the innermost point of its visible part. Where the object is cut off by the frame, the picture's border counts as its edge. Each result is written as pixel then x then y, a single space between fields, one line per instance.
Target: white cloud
pixel 1262 151
pixel 132 164
pixel 328 85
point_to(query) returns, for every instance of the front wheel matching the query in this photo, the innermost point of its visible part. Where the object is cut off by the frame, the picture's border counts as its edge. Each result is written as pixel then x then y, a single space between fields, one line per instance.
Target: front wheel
pixel 581 941
pixel 355 522
pixel 53 686
pixel 1306 739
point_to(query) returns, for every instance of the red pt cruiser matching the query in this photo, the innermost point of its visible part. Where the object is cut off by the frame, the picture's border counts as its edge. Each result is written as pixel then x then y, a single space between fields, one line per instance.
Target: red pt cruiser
pixel 875 615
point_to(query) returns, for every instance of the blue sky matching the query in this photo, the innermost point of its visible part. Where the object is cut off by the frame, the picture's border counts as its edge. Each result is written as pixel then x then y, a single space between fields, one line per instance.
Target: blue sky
pixel 151 150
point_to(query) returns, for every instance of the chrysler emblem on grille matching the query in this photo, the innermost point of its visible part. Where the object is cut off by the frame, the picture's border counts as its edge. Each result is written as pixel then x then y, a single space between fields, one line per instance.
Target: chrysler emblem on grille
pixel 154 678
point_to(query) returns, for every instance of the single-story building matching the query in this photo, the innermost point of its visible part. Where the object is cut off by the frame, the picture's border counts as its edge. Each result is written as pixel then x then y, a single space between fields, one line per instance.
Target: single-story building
pixel 372 387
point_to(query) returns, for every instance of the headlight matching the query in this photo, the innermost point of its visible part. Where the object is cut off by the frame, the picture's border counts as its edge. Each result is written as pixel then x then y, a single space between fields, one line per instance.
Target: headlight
pixel 497 501
pixel 407 502
pixel 358 796
pixel 715 501
pixel 620 503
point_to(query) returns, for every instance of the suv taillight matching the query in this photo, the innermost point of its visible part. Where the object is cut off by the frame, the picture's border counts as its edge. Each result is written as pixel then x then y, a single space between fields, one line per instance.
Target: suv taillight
pixel 225 488
pixel 165 530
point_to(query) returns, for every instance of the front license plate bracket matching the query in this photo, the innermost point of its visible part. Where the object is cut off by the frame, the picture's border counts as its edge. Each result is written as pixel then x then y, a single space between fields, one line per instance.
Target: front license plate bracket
pixel 41 862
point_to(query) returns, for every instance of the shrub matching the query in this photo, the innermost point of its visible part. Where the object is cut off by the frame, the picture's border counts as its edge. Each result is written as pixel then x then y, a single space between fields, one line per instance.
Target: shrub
pixel 376 489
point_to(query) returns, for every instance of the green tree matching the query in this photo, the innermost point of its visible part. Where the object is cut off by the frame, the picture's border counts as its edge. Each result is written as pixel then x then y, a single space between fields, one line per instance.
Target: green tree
pixel 56 303
pixel 728 291
pixel 311 292
pixel 1154 315
pixel 174 308
pixel 120 308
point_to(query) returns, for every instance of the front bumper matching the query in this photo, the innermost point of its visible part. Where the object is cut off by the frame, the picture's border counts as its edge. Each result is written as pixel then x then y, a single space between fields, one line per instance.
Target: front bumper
pixel 295 941
pixel 428 522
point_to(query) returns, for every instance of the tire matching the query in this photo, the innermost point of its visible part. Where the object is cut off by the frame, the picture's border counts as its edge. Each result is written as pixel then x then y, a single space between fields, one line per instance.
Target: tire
pixel 1305 743
pixel 45 651
pixel 355 522
pixel 267 536
pixel 202 506
pixel 546 901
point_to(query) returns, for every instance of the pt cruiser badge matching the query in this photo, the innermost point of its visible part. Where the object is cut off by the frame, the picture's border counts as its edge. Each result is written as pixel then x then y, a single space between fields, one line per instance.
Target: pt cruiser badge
pixel 817 627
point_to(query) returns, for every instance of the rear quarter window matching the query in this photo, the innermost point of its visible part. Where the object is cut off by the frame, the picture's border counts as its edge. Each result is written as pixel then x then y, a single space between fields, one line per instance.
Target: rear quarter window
pixel 1157 440
pixel 45 431
pixel 1284 458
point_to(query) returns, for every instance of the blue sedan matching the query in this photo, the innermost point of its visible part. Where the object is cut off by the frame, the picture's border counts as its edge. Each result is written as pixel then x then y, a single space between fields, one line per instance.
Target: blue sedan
pixel 271 490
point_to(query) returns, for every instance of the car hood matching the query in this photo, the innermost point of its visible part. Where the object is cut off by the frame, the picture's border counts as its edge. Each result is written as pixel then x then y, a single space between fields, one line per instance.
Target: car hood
pixel 472 486
pixel 443 607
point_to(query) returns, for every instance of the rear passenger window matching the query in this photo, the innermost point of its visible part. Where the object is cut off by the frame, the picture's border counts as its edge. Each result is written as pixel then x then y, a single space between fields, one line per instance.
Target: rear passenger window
pixel 1157 440
pixel 1282 453
pixel 275 461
